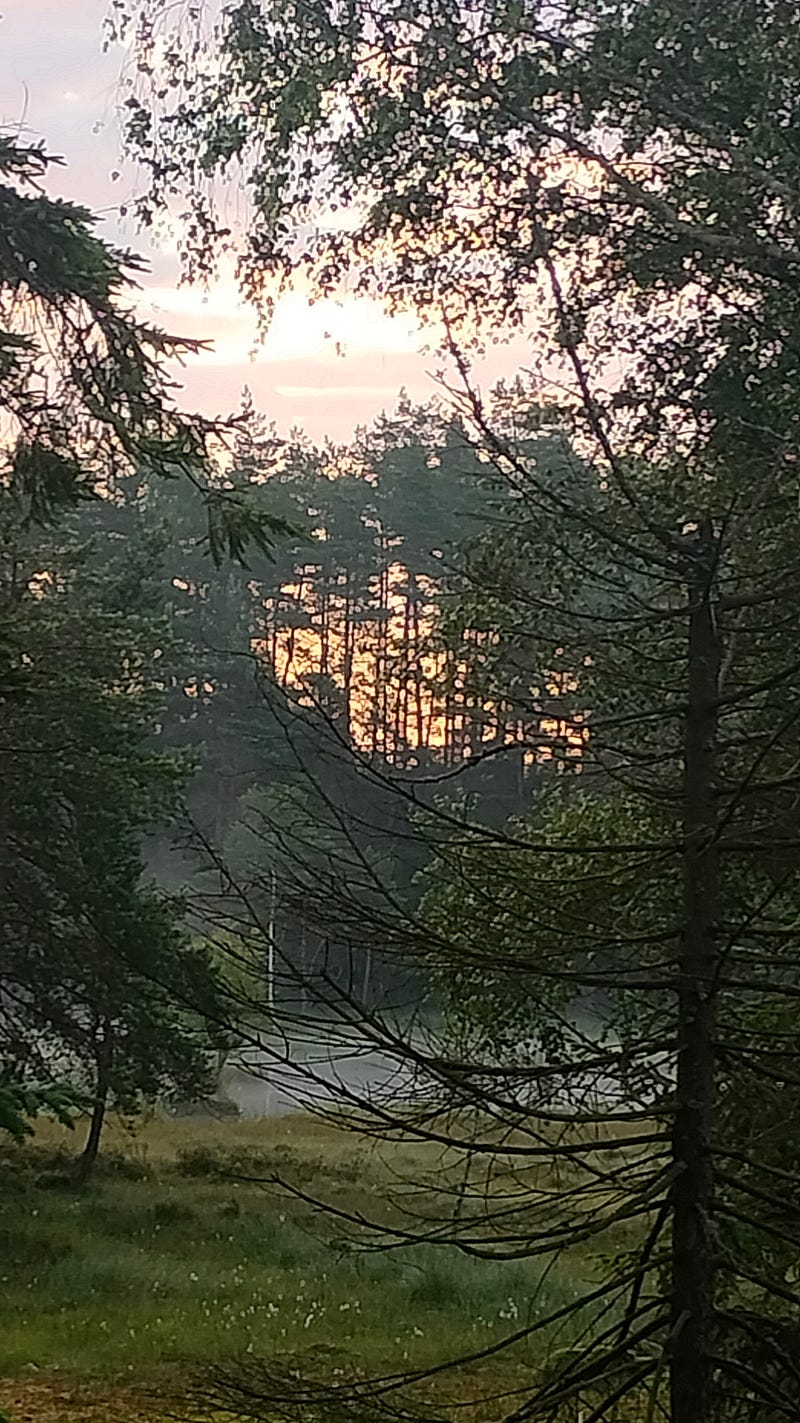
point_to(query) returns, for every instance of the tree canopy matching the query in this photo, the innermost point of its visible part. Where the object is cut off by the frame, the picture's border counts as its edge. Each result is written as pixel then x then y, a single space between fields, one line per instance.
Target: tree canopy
pixel 101 986
pixel 87 405
pixel 85 388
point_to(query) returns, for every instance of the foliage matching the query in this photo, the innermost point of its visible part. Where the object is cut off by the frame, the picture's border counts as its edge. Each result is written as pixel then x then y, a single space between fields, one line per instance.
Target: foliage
pixel 593 606
pixel 21 1103
pixel 100 981
pixel 627 174
pixel 543 925
pixel 83 381
pixel 468 149
pixel 87 403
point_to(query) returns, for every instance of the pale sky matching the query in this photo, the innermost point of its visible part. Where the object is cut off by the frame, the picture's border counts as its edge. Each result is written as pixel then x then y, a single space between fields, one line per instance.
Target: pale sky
pixel 58 85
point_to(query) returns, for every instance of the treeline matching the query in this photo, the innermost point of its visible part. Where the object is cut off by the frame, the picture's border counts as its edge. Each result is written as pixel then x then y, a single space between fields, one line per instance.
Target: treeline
pixel 354 615
pixel 301 686
pixel 174 721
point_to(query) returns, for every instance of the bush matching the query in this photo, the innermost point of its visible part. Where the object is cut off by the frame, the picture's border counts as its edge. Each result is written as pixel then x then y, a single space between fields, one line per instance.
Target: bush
pixel 119 1163
pixel 169 1213
pixel 201 1161
pixel 26 1249
pixel 218 1163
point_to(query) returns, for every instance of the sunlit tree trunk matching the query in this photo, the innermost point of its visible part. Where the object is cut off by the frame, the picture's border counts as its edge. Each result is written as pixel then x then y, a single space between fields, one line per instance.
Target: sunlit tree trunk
pixel 348 633
pixel 419 712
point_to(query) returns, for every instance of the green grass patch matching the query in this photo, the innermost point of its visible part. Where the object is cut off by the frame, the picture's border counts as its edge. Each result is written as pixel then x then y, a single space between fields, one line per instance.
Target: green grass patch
pixel 172 1267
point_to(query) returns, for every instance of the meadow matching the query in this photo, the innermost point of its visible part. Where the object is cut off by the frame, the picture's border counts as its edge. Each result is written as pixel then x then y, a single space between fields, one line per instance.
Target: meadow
pixel 172 1257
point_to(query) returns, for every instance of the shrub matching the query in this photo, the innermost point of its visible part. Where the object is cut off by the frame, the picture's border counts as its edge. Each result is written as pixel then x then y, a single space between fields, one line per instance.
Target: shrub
pixel 119 1163
pixel 169 1213
pixel 218 1162
pixel 200 1161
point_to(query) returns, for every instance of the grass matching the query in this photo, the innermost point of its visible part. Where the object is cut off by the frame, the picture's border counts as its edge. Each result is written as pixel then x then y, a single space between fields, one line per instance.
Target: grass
pixel 162 1263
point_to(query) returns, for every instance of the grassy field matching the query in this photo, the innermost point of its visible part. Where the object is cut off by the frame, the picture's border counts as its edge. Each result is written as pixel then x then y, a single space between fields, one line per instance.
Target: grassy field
pixel 164 1263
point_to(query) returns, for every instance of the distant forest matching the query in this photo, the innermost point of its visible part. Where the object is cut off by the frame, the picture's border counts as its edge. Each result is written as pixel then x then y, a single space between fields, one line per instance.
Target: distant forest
pixel 282 698
pixel 303 686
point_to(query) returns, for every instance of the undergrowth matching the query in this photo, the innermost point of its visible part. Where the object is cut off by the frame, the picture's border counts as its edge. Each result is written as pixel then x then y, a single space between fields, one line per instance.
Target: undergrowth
pixel 172 1257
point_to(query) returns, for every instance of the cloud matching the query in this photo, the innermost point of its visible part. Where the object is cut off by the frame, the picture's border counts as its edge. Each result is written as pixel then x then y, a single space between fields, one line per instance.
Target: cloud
pixel 352 325
pixel 381 393
pixel 57 83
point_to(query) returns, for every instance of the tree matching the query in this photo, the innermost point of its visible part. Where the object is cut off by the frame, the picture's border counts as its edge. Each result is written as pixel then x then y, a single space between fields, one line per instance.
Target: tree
pixel 342 654
pixel 101 985
pixel 87 402
pixel 83 381
pixel 512 124
pixel 632 172
pixel 21 1103
pixel 603 897
pixel 211 704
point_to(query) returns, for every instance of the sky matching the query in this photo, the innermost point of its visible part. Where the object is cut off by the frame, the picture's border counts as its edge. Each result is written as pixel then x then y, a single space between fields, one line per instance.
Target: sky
pixel 57 84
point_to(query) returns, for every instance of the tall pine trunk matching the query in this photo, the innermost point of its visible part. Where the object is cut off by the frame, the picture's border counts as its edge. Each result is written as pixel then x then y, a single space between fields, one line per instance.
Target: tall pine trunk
pixel 693 1249
pixel 419 713
pixel 348 634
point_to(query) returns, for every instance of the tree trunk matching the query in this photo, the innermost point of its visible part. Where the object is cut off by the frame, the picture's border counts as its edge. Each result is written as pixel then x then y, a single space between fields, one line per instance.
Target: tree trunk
pixel 288 666
pixel 303 964
pixel 271 927
pixel 418 708
pixel 104 1057
pixel 349 646
pixel 693 1250
pixel 384 653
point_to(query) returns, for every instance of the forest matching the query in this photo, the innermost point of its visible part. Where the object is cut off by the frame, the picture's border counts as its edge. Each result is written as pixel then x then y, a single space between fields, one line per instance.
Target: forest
pixel 399 835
